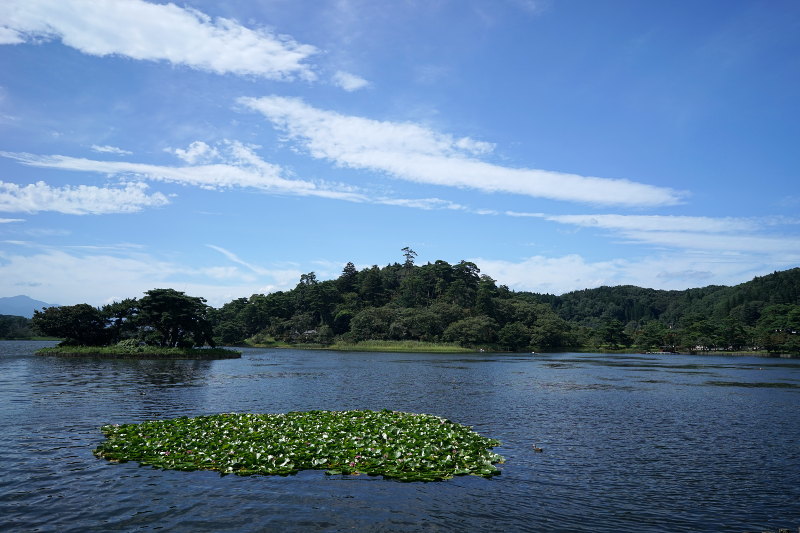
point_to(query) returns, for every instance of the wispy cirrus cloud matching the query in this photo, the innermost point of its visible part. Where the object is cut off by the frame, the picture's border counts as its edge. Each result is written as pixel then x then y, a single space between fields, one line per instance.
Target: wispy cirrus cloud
pixel 699 224
pixel 415 153
pixel 235 259
pixel 156 32
pixel 78 199
pixel 241 168
pixel 725 234
pixel 731 243
pixel 229 165
pixel 106 149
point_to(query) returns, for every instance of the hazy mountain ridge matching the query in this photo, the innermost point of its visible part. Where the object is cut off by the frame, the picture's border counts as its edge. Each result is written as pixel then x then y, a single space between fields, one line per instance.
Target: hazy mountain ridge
pixel 21 305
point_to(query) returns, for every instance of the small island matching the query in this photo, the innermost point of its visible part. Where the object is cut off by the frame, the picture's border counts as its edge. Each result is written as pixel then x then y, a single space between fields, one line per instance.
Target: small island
pixel 164 324
pixel 396 445
pixel 124 351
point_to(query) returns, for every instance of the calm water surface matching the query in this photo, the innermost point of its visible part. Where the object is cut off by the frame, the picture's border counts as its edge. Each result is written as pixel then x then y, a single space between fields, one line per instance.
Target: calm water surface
pixel 631 442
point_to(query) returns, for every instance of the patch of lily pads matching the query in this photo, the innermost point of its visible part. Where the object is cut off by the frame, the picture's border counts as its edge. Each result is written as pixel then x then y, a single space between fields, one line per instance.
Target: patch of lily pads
pixel 393 444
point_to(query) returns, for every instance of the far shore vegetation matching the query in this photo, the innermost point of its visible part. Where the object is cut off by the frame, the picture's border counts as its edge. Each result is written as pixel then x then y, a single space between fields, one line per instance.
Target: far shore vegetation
pixel 369 346
pixel 407 307
pixel 17 328
pixel 447 308
pixel 388 346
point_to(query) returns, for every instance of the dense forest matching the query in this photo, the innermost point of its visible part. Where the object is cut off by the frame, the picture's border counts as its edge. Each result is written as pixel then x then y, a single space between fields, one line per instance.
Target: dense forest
pixel 15 327
pixel 451 303
pixel 442 302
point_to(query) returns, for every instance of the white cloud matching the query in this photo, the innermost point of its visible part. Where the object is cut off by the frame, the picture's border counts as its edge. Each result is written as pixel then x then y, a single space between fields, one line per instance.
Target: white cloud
pixel 473 147
pixel 673 271
pixel 731 243
pixel 727 250
pixel 549 274
pixel 197 152
pixel 238 166
pixel 10 36
pixel 726 235
pixel 422 203
pixel 77 200
pixel 10 220
pixel 235 259
pixel 47 232
pixel 657 222
pixel 156 32
pixel 244 169
pixel 110 150
pixel 723 236
pixel 72 276
pixel 415 153
pixel 349 82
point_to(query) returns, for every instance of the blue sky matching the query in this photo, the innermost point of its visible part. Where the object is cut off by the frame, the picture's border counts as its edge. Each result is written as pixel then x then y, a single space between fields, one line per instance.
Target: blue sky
pixel 225 148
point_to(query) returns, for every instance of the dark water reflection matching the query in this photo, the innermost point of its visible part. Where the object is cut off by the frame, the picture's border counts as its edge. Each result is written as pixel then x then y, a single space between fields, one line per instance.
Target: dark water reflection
pixel 631 443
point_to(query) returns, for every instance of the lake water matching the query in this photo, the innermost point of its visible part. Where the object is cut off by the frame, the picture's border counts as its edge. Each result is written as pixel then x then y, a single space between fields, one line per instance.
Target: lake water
pixel 631 442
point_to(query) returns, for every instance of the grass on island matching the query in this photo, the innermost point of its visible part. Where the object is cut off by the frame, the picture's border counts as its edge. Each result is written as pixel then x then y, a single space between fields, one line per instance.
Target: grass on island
pixel 400 346
pixel 397 445
pixel 120 351
pixel 367 346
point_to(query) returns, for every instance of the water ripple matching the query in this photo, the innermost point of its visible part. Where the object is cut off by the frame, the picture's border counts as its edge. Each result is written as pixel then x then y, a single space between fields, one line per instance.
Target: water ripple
pixel 710 448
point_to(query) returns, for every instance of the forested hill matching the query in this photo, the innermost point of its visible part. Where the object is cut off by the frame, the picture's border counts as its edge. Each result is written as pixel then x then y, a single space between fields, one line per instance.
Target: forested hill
pixel 628 303
pixel 441 302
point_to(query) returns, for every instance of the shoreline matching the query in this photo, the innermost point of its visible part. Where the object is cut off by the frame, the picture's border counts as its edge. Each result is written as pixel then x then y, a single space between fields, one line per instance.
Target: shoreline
pixel 422 347
pixel 374 346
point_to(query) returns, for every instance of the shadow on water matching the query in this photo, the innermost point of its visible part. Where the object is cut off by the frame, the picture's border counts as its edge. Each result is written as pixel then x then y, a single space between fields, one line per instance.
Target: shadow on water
pixel 132 372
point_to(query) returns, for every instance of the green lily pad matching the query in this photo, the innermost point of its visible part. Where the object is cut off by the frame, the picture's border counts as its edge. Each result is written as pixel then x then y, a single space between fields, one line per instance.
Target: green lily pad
pixel 398 445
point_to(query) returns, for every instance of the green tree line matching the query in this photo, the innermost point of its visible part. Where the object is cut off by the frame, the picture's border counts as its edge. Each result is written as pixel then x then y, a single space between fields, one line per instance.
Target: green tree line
pixel 453 303
pixel 15 327
pixel 443 302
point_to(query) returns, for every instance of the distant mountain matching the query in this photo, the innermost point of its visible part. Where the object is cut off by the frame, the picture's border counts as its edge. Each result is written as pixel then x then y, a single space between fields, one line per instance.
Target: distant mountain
pixel 21 306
